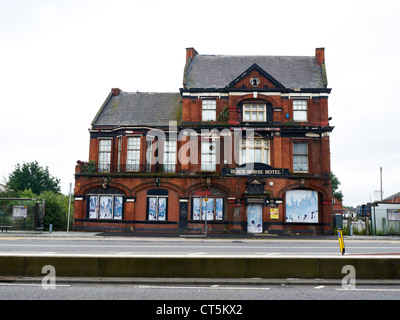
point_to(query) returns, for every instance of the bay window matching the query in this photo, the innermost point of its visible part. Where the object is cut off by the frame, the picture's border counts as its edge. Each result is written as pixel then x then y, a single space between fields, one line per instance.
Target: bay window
pixel 104 155
pixel 133 154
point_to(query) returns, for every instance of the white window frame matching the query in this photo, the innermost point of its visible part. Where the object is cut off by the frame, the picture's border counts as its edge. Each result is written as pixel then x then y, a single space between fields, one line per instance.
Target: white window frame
pixel 133 153
pixel 208 155
pixel 169 157
pixel 209 109
pixel 254 112
pixel 149 153
pixel 300 110
pixel 119 139
pixel 249 148
pixel 300 160
pixel 105 146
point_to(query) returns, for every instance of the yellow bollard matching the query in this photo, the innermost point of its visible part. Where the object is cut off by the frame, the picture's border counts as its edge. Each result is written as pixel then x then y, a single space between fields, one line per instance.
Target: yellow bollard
pixel 341 241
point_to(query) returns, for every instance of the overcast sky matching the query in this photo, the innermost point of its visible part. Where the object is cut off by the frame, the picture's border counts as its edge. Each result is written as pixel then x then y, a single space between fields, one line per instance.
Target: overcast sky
pixel 60 58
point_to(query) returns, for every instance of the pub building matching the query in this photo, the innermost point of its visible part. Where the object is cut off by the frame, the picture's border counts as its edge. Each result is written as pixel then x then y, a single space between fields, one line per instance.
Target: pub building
pixel 243 147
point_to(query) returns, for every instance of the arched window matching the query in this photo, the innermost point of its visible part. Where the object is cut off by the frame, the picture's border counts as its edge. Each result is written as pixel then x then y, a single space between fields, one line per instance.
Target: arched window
pixel 208 204
pixel 301 206
pixel 157 205
pixel 105 204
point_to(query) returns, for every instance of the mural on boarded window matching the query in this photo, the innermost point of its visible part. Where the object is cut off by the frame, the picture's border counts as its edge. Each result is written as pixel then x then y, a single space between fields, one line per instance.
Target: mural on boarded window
pixel 118 207
pixel 219 205
pixel 93 207
pixel 152 208
pixel 105 210
pixel 213 208
pixel 302 206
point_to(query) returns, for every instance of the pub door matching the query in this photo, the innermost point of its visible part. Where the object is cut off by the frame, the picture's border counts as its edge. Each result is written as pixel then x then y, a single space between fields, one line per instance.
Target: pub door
pixel 183 216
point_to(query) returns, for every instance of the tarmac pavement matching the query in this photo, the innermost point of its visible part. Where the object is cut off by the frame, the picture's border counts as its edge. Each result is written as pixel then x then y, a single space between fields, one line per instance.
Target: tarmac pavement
pixel 103 235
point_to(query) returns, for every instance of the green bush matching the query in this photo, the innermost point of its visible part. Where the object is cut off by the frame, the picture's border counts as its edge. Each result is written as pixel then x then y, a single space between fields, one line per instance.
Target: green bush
pixel 56 210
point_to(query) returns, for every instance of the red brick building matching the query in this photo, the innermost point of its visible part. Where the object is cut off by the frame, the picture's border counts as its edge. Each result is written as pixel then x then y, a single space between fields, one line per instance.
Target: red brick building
pixel 242 148
pixel 395 198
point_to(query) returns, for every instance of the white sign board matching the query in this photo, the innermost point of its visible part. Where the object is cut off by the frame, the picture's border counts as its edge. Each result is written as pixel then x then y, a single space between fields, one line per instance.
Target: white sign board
pixel 20 212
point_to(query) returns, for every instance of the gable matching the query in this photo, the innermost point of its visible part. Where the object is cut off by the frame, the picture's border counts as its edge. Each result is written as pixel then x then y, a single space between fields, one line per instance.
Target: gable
pixel 255 78
pixel 255 181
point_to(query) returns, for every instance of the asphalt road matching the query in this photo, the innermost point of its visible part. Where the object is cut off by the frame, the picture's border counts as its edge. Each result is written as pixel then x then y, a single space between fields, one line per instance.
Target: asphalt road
pixel 194 247
pixel 73 291
pixel 128 246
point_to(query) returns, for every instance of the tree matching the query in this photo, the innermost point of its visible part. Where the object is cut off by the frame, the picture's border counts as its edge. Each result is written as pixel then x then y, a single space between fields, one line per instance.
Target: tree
pixel 335 186
pixel 56 209
pixel 32 176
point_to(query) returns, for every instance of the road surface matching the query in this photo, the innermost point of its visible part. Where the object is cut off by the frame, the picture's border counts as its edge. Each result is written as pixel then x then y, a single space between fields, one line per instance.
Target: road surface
pixel 76 291
pixel 178 247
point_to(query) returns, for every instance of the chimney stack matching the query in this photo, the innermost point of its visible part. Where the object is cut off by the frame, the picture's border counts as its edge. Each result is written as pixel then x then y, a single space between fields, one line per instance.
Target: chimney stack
pixel 191 53
pixel 116 91
pixel 320 56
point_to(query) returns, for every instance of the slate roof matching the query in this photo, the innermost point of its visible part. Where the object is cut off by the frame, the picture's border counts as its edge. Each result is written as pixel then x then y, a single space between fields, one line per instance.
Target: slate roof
pixel 205 72
pixel 392 197
pixel 217 71
pixel 139 109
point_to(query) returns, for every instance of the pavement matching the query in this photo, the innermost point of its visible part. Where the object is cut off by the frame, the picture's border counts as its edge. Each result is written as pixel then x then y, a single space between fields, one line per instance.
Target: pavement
pixel 158 236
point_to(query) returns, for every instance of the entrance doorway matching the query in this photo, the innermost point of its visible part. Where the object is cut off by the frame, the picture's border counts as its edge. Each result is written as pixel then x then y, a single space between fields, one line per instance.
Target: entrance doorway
pixel 183 215
pixel 254 218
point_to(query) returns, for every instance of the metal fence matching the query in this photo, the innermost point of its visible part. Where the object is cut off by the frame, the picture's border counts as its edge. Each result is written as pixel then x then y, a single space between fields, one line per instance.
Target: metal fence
pixel 22 214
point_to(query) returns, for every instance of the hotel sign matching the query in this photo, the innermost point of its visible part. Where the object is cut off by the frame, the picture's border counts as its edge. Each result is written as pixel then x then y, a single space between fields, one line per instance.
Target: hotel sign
pixel 258 169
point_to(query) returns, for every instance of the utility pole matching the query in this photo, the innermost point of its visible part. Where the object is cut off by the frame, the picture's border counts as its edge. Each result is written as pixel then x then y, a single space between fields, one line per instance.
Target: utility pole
pixel 205 223
pixel 381 185
pixel 69 205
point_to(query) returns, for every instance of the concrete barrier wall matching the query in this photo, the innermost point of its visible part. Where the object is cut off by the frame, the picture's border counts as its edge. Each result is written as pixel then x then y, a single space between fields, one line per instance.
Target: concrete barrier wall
pixel 201 267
